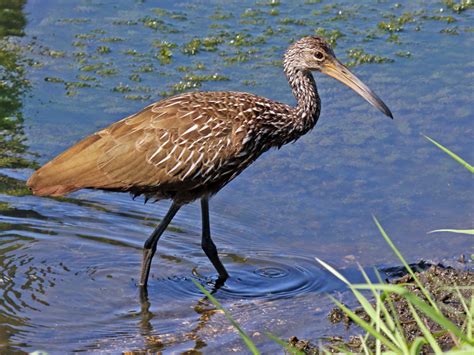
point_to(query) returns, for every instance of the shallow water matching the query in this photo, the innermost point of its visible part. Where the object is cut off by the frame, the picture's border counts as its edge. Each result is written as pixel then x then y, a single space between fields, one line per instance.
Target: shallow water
pixel 69 266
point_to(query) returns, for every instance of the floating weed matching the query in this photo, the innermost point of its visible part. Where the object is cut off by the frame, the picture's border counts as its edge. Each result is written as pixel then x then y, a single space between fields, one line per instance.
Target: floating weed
pixel 158 43
pixel 164 55
pixel 92 67
pixel 69 85
pixel 86 77
pixel 135 97
pixel 269 3
pixel 396 23
pixel 156 24
pixel 85 36
pixel 107 72
pixel 73 20
pixel 450 31
pixel 172 15
pixel 293 21
pixel 53 53
pixel 330 35
pixel 135 77
pixel 145 68
pixel 459 6
pixel 111 39
pixel 403 54
pixel 447 19
pixel 122 88
pixel 125 22
pixel 251 13
pixel 103 50
pixel 239 57
pixel 78 44
pixel 246 40
pixel 219 15
pixel 249 82
pixel 52 79
pixel 201 78
pixel 359 56
pixel 394 38
pixel 192 47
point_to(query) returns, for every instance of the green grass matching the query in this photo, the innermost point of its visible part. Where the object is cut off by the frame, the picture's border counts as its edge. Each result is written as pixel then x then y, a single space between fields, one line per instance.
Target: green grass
pixel 465 164
pixel 383 324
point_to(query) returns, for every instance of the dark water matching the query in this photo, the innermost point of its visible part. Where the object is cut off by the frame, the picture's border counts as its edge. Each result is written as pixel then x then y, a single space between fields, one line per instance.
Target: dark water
pixel 68 267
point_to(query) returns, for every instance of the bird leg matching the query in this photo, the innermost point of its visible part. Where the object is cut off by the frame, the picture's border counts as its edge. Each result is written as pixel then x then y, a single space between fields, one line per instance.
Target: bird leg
pixel 208 245
pixel 149 248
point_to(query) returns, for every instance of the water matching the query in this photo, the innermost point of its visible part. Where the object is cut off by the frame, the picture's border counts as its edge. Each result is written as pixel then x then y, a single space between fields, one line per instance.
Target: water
pixel 69 267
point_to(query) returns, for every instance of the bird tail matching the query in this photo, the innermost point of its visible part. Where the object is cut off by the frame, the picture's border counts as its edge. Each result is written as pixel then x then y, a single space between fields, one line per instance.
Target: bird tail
pixel 67 172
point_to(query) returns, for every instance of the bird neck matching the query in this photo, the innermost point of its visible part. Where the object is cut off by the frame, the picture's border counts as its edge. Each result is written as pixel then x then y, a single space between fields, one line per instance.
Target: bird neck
pixel 306 93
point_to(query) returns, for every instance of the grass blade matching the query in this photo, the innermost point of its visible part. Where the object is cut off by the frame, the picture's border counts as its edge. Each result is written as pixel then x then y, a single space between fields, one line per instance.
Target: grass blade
pixel 428 310
pixel 250 344
pixel 402 259
pixel 452 155
pixel 416 345
pixel 289 348
pixel 460 231
pixel 366 326
pixel 426 333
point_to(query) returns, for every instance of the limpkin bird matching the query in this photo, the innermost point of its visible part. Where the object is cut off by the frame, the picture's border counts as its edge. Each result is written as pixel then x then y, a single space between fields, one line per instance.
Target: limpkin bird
pixel 190 146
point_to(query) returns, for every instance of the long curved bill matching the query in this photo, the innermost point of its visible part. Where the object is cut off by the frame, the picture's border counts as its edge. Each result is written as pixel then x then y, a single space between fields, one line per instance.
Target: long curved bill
pixel 338 71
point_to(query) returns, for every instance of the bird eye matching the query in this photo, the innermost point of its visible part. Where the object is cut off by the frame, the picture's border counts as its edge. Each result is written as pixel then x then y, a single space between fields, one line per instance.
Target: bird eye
pixel 319 56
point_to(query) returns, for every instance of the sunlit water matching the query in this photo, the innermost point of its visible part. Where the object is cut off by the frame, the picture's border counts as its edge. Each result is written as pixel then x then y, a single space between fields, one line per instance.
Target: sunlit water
pixel 69 267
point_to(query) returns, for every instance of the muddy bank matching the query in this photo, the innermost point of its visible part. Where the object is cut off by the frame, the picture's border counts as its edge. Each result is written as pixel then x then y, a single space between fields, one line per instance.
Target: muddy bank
pixel 439 280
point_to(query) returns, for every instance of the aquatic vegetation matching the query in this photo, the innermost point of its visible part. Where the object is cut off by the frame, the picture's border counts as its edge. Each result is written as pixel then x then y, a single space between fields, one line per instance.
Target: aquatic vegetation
pixel 135 97
pixel 403 54
pixel 396 23
pixel 359 56
pixel 192 47
pixel 219 15
pixel 158 43
pixel 122 88
pixel 111 39
pixel 85 36
pixel 74 21
pixel 330 35
pixel 51 79
pixel 202 77
pixel 135 77
pixel 459 6
pixel 103 50
pixel 293 21
pixel 450 31
pixel 172 15
pixel 164 55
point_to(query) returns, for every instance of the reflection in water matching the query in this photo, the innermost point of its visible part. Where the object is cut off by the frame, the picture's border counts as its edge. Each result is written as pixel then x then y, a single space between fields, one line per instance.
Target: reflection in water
pixel 13 86
pixel 18 292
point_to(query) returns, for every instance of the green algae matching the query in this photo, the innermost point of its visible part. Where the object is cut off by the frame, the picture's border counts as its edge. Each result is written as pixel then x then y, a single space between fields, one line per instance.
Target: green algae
pixel 359 56
pixel 459 6
pixel 111 39
pixel 164 55
pixel 329 35
pixel 221 16
pixel 103 50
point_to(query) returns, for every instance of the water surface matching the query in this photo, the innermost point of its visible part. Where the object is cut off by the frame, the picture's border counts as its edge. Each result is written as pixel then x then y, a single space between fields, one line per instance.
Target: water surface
pixel 69 266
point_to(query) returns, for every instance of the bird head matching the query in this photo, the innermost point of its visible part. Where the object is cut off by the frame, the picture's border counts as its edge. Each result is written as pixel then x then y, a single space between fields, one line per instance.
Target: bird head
pixel 315 54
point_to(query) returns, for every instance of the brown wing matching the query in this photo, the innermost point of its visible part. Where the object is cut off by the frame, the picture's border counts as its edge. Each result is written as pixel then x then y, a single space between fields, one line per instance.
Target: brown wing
pixel 175 144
